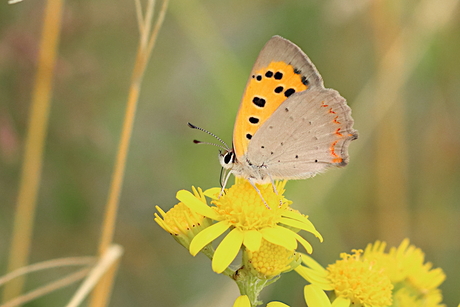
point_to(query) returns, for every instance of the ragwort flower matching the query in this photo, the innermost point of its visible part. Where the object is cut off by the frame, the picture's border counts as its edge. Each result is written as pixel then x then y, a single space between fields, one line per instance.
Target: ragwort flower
pixel 375 278
pixel 416 283
pixel 181 222
pixel 242 211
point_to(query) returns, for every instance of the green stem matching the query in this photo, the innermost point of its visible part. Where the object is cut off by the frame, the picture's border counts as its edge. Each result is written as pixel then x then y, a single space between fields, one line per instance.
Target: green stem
pixel 251 285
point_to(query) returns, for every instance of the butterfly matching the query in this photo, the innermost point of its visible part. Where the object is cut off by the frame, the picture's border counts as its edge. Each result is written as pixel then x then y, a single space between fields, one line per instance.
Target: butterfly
pixel 288 126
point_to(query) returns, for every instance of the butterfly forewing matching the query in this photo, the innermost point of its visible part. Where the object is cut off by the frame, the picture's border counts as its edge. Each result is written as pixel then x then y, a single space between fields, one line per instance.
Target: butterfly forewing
pixel 309 132
pixel 281 70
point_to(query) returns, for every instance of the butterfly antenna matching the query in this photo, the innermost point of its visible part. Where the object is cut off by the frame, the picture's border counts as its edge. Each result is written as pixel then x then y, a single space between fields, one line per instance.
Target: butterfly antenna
pixel 208 143
pixel 225 147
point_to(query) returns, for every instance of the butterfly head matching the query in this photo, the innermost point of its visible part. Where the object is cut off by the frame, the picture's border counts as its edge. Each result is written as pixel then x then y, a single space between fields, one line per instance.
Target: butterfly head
pixel 227 158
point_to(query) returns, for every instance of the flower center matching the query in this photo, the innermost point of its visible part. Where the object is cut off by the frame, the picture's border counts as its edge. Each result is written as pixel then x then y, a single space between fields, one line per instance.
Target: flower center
pixel 360 281
pixel 244 208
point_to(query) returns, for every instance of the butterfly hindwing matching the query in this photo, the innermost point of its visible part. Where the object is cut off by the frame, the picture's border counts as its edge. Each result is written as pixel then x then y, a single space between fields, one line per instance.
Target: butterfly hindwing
pixel 281 70
pixel 308 133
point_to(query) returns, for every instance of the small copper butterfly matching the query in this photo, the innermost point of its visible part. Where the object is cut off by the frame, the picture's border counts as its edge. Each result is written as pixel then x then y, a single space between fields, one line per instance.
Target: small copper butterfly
pixel 288 125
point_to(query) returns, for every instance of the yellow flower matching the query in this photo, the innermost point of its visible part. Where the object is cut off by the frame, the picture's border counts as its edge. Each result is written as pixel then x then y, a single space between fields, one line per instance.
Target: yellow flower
pixel 367 278
pixel 271 260
pixel 356 281
pixel 242 211
pixel 181 222
pixel 416 282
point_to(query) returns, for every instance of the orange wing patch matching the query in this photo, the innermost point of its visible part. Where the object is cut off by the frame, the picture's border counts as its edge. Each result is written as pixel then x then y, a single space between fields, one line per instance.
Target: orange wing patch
pixel 335 157
pixel 266 90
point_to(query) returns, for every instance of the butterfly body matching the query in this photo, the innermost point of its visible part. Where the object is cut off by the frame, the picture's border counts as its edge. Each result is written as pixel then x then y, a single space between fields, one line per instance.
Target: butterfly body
pixel 288 125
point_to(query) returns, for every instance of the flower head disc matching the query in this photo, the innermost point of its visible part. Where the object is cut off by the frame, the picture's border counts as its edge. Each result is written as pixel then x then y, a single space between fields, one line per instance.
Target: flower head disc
pixel 181 222
pixel 271 260
pixel 243 208
pixel 360 281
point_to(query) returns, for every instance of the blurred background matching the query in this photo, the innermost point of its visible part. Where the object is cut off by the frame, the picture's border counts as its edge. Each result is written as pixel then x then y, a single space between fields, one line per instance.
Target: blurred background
pixel 396 62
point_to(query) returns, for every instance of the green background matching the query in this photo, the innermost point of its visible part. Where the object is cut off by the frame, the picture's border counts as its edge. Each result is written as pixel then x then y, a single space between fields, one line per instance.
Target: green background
pixel 402 181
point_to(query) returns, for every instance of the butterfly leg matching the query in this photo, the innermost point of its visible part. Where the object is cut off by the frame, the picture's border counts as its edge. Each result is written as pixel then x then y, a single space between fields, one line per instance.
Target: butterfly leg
pixel 274 187
pixel 224 183
pixel 251 181
pixel 273 184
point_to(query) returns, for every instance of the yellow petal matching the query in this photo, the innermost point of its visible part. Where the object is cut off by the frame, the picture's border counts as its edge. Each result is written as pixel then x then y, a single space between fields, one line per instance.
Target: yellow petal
pixel 277 304
pixel 227 250
pixel 252 240
pixel 341 302
pixel 280 236
pixel 295 215
pixel 304 243
pixel 304 225
pixel 195 204
pixel 206 236
pixel 242 301
pixel 309 261
pixel 314 277
pixel 213 193
pixel 315 297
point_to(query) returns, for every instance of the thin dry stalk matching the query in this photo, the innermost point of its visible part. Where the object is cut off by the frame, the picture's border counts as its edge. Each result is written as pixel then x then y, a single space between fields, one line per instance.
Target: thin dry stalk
pixel 210 46
pixel 49 264
pixel 107 262
pixel 146 44
pixel 140 18
pixel 35 140
pixel 53 286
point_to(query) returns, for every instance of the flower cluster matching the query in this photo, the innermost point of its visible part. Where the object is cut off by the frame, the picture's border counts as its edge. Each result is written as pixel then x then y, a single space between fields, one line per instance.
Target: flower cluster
pixel 374 278
pixel 257 221
pixel 242 212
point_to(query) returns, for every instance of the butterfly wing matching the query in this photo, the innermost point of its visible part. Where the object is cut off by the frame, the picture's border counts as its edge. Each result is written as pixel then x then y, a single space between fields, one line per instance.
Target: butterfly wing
pixel 281 70
pixel 309 132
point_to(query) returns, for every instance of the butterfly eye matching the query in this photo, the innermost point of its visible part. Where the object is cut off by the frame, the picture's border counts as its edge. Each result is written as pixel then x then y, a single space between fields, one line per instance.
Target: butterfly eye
pixel 227 159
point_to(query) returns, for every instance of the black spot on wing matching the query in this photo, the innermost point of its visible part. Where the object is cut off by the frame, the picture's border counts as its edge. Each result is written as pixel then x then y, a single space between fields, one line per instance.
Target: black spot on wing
pixel 289 92
pixel 305 80
pixel 253 120
pixel 260 102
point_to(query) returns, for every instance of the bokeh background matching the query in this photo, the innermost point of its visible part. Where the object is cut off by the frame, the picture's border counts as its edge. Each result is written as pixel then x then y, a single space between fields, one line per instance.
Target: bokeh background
pixel 396 62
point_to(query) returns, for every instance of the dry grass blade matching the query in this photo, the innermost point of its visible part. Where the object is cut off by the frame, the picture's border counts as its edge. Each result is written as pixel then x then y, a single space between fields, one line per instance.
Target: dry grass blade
pixel 50 264
pixel 108 260
pixel 55 285
pixel 147 24
pixel 35 141
pixel 140 18
pixel 147 41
